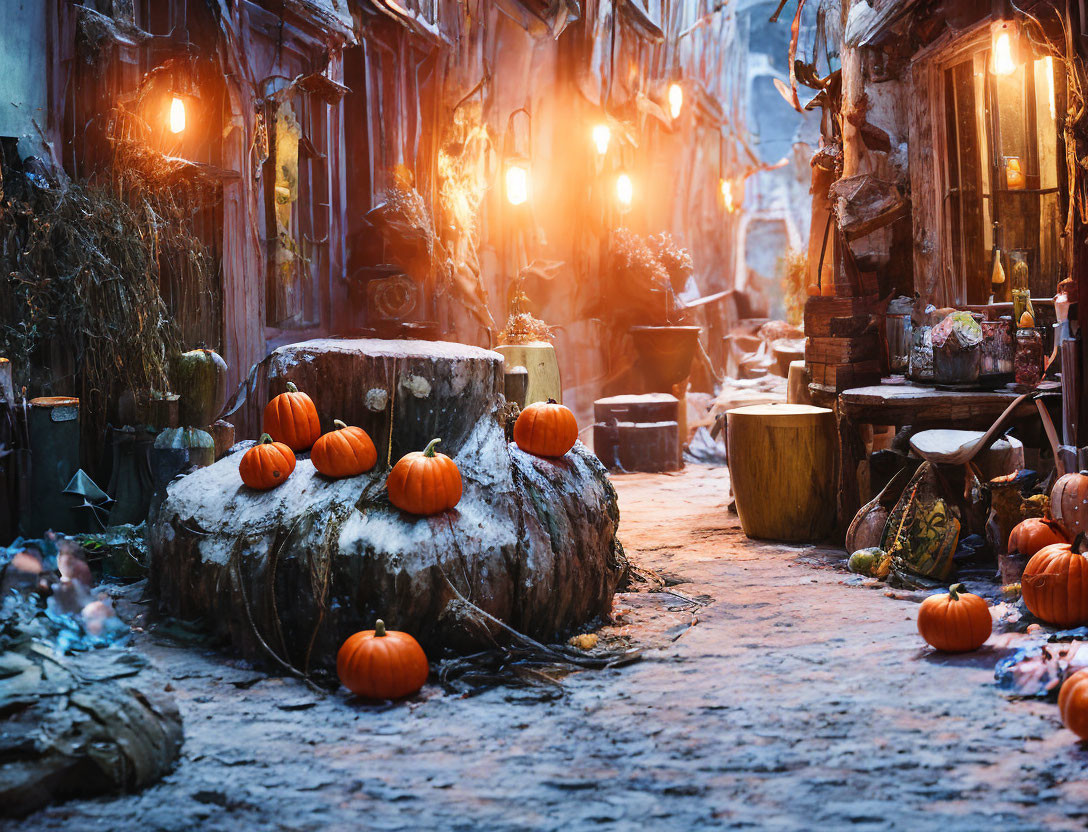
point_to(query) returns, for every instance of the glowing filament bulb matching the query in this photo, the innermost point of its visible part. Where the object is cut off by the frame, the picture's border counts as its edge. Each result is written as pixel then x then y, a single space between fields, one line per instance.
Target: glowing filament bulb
pixel 625 190
pixel 177 115
pixel 602 135
pixel 676 100
pixel 1003 60
pixel 517 185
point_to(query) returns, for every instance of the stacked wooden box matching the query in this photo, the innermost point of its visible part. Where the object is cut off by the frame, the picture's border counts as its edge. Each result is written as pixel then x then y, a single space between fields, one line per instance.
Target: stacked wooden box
pixel 843 346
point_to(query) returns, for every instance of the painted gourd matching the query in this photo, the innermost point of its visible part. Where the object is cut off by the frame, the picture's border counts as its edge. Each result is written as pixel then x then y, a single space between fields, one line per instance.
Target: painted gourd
pixel 956 621
pixel 382 664
pixel 424 482
pixel 344 452
pixel 1069 502
pixel 1035 533
pixel 291 418
pixel 267 464
pixel 1073 703
pixel 199 377
pixel 1055 583
pixel 546 429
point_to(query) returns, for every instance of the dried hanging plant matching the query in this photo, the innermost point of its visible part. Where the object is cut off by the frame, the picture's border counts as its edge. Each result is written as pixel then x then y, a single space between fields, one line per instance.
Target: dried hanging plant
pixel 81 280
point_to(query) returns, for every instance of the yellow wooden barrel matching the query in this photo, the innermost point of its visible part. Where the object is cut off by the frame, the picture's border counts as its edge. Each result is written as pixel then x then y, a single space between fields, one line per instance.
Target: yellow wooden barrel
pixel 782 468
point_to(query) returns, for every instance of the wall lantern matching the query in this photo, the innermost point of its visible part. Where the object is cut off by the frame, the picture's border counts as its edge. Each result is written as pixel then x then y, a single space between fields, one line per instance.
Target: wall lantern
pixel 625 191
pixel 517 163
pixel 176 118
pixel 676 100
pixel 602 135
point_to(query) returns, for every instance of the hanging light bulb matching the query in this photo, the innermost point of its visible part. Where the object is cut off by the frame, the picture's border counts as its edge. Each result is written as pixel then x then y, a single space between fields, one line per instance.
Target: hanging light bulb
pixel 676 100
pixel 177 115
pixel 517 184
pixel 625 190
pixel 1004 50
pixel 602 135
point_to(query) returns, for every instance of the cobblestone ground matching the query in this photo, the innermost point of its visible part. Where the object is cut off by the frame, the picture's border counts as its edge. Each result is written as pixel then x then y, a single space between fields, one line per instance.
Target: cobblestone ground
pixel 790 700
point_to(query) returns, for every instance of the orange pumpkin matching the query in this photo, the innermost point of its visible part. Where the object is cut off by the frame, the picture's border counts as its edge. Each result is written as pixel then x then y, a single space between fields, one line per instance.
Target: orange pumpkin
pixel 344 451
pixel 546 429
pixel 291 418
pixel 1073 703
pixel 382 664
pixel 956 622
pixel 1055 584
pixel 424 482
pixel 1035 533
pixel 267 464
pixel 1069 502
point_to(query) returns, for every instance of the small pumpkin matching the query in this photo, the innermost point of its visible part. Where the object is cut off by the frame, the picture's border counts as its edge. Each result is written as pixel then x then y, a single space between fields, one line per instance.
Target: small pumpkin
pixel 546 429
pixel 1055 583
pixel 955 622
pixel 267 464
pixel 1069 502
pixel 382 664
pixel 1073 703
pixel 291 418
pixel 1035 533
pixel 200 378
pixel 344 451
pixel 424 482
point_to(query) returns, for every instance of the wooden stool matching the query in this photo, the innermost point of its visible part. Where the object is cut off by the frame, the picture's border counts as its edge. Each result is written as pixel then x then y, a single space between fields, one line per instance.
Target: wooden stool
pixel 782 467
pixel 538 358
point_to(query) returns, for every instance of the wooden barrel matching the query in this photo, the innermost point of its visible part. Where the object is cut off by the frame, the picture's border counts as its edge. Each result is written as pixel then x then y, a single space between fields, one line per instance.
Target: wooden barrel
pixel 782 468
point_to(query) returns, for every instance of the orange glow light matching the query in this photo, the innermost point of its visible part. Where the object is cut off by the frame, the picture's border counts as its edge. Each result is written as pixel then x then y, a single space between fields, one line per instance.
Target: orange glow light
pixel 517 185
pixel 727 196
pixel 676 100
pixel 177 115
pixel 602 135
pixel 625 190
pixel 1004 60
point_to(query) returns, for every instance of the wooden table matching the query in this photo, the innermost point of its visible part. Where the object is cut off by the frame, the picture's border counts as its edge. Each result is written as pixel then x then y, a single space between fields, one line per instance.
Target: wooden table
pixel 924 408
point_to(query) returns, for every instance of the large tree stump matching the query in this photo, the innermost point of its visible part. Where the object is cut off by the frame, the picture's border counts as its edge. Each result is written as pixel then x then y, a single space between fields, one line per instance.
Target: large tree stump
pixel 301 567
pixel 423 388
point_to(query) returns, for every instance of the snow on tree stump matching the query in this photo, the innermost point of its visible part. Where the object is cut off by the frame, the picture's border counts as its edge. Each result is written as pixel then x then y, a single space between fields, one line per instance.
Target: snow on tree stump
pixel 297 569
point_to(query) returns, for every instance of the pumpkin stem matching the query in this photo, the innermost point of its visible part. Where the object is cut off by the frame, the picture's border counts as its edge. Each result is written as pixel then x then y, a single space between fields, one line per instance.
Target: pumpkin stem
pixel 955 590
pixel 291 387
pixel 379 628
pixel 429 450
pixel 265 439
pixel 1080 544
pixel 336 423
pixel 552 401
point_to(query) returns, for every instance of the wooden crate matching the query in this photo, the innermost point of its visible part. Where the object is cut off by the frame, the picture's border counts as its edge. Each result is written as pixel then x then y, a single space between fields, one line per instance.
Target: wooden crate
pixel 844 376
pixel 820 312
pixel 842 350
